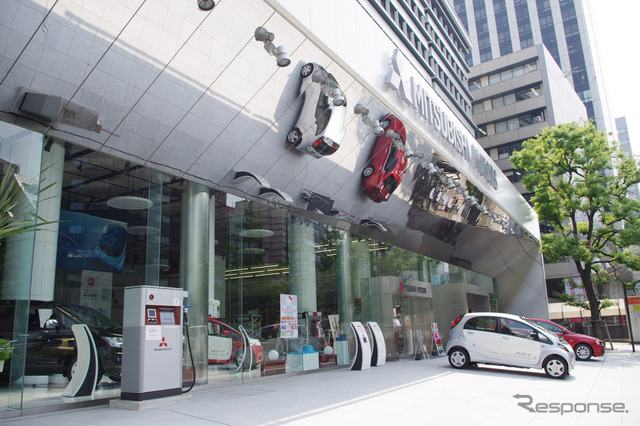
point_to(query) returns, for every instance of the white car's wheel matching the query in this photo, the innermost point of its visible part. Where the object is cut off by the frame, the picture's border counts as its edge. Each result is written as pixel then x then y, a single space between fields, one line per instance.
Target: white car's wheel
pixel 583 352
pixel 458 358
pixel 556 367
pixel 307 70
pixel 294 136
pixel 368 171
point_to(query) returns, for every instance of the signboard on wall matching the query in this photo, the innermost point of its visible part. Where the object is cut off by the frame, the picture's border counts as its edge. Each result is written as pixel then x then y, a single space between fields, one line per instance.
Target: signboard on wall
pixel 91 243
pixel 95 291
pixel 436 338
pixel 288 316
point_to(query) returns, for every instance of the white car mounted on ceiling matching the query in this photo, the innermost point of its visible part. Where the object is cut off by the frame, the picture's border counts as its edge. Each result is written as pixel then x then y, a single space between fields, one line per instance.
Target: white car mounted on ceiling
pixel 319 128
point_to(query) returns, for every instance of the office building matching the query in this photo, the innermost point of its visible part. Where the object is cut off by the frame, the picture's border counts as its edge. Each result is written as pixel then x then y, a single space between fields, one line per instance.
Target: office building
pixel 622 133
pixel 500 27
pixel 517 95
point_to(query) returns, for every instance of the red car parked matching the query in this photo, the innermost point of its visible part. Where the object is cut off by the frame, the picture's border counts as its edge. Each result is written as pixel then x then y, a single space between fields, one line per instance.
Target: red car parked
pixel 226 346
pixel 584 346
pixel 388 163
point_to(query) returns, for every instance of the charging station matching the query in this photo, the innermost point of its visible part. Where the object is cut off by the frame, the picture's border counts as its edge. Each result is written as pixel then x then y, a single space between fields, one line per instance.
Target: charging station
pixel 152 342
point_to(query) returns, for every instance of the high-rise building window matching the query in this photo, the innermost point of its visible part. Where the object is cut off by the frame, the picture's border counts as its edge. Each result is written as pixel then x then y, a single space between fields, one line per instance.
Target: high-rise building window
pixel 574 47
pixel 502 26
pixel 482 29
pixel 547 29
pixel 524 23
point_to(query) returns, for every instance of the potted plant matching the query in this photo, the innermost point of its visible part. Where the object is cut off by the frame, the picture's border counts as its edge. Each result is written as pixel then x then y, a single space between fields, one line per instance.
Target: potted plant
pixel 5 352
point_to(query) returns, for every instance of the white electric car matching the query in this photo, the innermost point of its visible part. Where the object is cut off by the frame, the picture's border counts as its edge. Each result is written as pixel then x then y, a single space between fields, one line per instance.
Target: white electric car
pixel 319 128
pixel 503 339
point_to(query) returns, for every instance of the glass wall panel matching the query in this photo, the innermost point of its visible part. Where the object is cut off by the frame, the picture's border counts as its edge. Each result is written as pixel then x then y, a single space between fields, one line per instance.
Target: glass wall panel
pixel 20 187
pixel 270 292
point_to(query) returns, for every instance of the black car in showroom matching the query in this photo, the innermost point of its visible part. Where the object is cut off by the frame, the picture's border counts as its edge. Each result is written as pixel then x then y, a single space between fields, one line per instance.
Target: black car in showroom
pixel 50 343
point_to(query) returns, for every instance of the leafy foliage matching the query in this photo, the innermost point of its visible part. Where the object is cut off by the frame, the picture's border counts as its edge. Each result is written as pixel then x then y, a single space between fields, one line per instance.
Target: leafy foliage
pixel 569 169
pixel 16 216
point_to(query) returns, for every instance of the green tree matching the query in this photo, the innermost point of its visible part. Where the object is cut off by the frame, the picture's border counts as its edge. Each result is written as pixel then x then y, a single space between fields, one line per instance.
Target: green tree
pixel 569 170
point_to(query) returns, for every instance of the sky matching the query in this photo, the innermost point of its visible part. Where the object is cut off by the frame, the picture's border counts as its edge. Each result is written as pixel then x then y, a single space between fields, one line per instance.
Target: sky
pixel 616 30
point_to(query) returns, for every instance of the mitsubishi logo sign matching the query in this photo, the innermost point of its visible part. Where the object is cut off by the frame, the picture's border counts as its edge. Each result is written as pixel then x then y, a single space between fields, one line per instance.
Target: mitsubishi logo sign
pixel 163 346
pixel 417 93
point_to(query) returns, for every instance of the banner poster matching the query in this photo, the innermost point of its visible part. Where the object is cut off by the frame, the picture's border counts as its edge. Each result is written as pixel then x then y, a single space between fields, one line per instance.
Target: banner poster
pixel 334 323
pixel 436 338
pixel 288 316
pixel 95 291
pixel 91 243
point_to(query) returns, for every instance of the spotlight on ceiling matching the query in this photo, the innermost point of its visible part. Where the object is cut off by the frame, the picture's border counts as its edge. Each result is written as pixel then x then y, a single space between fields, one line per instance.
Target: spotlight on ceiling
pixel 372 124
pixel 336 96
pixel 206 5
pixel 433 169
pixel 329 86
pixel 450 184
pixel 263 35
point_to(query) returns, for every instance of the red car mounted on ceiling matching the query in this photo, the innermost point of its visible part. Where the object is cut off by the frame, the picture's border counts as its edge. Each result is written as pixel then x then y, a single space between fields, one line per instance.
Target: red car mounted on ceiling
pixel 388 163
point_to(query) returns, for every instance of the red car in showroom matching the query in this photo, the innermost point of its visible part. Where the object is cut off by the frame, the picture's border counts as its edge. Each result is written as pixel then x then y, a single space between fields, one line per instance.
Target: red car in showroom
pixel 388 163
pixel 584 346
pixel 226 346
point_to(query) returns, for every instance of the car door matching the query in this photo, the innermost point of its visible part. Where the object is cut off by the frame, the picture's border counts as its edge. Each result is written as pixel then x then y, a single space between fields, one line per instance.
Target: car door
pixel 220 344
pixel 48 349
pixel 483 339
pixel 519 344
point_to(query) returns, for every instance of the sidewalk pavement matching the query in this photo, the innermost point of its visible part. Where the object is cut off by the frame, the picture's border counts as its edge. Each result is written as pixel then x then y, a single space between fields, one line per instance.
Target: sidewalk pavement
pixel 602 391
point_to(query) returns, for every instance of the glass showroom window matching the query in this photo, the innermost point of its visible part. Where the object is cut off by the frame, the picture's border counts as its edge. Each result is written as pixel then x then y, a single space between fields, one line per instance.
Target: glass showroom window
pixel 20 172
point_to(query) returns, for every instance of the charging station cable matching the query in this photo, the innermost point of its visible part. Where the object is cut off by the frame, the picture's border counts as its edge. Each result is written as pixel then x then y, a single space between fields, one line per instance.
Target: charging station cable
pixel 193 366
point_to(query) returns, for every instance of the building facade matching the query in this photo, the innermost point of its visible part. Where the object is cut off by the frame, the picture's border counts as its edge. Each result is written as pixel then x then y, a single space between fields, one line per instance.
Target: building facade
pixel 500 27
pixel 623 137
pixel 226 153
pixel 515 96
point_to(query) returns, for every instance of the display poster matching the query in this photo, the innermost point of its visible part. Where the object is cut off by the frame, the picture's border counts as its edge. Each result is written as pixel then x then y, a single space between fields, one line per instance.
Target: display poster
pixel 288 316
pixel 334 323
pixel 91 243
pixel 436 338
pixel 95 291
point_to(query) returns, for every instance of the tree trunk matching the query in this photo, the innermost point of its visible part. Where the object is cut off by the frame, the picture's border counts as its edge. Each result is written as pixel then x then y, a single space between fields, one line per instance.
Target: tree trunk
pixel 592 297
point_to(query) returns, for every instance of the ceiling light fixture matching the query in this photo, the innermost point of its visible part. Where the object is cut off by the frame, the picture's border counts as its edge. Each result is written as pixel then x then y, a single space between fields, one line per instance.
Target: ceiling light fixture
pixel 243 176
pixel 263 35
pixel 272 194
pixel 206 5
pixel 129 202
